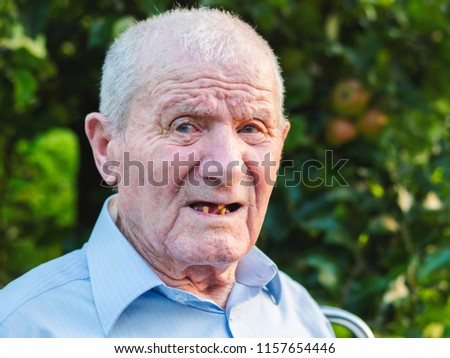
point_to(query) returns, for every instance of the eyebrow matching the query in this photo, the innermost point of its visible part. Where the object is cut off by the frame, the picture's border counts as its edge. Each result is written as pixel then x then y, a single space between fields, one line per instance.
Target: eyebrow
pixel 206 109
pixel 264 115
pixel 200 110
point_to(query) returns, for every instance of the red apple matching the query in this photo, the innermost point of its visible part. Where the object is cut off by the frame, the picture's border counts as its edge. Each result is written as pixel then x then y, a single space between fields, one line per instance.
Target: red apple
pixel 350 97
pixel 339 131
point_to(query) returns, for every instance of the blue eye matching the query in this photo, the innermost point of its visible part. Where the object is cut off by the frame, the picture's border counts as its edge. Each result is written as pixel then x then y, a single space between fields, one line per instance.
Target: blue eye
pixel 249 129
pixel 184 128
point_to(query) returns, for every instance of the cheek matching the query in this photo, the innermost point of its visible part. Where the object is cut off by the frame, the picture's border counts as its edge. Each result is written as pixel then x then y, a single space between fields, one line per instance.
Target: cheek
pixel 260 196
pixel 163 167
pixel 180 165
pixel 133 165
pixel 265 174
pixel 148 210
pixel 169 165
pixel 265 168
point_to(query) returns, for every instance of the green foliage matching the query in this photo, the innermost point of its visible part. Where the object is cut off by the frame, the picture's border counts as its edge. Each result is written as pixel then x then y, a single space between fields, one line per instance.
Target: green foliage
pixel 375 243
pixel 38 208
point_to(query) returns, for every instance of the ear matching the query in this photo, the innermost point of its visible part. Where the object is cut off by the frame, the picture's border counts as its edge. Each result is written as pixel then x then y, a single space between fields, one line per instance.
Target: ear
pixel 287 127
pixel 97 129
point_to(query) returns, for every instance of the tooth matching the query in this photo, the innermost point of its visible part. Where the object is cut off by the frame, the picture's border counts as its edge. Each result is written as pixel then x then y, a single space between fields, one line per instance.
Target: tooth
pixel 206 209
pixel 220 206
pixel 222 210
pixel 227 211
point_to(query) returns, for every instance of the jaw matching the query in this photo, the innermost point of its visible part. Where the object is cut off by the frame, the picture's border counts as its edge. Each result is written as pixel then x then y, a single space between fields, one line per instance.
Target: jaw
pixel 199 238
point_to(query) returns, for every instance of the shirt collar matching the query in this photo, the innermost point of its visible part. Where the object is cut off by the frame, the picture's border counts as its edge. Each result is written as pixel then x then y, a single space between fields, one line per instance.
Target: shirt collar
pixel 258 270
pixel 119 274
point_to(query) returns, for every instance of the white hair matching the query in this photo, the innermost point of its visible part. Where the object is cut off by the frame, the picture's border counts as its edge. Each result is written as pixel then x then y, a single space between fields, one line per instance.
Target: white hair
pixel 211 35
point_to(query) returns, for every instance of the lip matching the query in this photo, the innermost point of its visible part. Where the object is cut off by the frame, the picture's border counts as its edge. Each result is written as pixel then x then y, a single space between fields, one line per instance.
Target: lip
pixel 215 202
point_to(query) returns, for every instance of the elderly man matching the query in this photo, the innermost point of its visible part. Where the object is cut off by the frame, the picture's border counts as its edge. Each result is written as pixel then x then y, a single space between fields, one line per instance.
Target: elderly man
pixel 190 131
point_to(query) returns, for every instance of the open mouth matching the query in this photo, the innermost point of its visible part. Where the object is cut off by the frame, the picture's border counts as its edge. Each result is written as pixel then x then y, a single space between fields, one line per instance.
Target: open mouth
pixel 218 209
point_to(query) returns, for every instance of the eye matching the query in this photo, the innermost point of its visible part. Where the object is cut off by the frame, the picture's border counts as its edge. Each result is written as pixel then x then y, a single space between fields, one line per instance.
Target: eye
pixel 253 132
pixel 185 128
pixel 249 129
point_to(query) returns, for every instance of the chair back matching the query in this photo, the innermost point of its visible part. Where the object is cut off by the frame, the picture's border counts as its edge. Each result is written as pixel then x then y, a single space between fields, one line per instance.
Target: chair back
pixel 352 322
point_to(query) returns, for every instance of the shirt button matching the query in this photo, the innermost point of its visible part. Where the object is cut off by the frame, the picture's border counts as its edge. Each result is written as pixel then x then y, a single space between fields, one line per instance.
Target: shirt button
pixel 180 298
pixel 232 316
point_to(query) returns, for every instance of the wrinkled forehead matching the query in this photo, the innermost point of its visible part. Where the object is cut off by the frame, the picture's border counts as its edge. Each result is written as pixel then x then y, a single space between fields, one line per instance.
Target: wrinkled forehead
pixel 166 60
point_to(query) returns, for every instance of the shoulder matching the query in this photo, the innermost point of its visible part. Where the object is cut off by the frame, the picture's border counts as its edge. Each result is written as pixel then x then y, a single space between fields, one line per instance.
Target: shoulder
pixel 301 304
pixel 289 285
pixel 294 292
pixel 45 278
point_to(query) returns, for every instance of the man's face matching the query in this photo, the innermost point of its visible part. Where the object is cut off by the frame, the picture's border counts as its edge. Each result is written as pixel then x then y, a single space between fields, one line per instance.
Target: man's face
pixel 210 142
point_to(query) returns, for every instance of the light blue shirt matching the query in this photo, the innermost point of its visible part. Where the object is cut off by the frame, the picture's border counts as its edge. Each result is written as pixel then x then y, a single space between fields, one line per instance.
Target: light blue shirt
pixel 106 289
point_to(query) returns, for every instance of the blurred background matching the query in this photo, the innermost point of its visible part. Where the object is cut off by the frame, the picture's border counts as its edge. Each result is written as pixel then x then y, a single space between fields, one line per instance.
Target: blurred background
pixel 368 96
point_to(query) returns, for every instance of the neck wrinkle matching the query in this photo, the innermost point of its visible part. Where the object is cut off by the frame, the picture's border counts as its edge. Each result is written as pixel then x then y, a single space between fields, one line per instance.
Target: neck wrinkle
pixel 206 281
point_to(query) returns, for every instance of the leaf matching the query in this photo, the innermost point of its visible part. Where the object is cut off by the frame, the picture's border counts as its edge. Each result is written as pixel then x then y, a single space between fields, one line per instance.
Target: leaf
pixel 121 25
pixel 310 207
pixel 299 87
pixel 25 87
pixel 383 224
pixel 277 223
pixel 297 134
pixel 440 259
pixel 332 25
pixel 328 270
pixel 100 32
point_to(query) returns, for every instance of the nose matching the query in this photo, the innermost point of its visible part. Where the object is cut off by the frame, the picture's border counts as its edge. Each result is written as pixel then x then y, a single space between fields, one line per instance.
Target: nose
pixel 222 162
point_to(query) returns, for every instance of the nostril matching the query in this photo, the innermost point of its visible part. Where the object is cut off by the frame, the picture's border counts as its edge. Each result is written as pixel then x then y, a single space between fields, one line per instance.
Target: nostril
pixel 213 179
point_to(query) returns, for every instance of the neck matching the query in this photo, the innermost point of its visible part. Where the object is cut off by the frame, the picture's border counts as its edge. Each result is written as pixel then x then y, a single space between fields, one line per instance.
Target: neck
pixel 206 281
pixel 212 282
